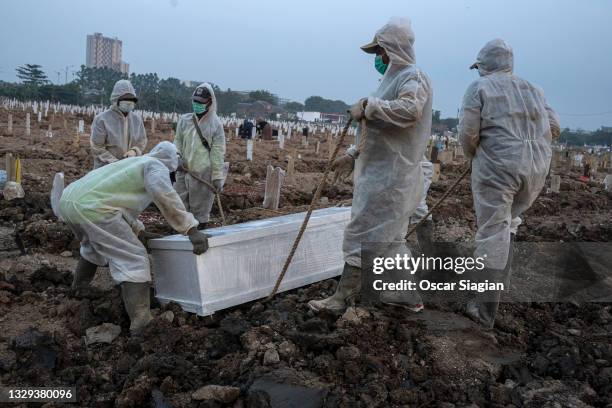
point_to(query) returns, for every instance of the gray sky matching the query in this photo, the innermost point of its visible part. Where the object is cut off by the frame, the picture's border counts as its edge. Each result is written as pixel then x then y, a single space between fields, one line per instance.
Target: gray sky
pixel 302 48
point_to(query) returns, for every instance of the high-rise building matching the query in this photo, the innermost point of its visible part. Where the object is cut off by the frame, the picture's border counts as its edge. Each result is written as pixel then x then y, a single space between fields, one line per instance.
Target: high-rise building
pixel 105 52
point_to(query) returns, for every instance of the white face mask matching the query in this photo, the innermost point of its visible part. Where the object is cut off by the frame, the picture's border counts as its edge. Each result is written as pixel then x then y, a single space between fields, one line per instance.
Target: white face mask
pixel 126 106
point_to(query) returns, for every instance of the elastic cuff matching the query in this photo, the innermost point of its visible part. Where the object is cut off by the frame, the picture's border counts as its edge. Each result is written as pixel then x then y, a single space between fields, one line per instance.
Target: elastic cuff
pixel 138 227
pixel 186 233
pixel 352 151
pixel 370 107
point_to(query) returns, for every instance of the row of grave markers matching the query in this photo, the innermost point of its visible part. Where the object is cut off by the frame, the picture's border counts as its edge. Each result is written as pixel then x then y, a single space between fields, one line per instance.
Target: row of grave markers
pixel 601 160
pixel 49 132
pixel 42 109
pixel 281 138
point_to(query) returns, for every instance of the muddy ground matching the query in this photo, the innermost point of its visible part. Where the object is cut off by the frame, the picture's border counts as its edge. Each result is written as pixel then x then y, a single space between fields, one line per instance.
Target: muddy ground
pixel 279 354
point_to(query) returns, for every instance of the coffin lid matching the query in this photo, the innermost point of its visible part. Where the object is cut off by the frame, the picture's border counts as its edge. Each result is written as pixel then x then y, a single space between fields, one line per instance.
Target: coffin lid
pixel 255 229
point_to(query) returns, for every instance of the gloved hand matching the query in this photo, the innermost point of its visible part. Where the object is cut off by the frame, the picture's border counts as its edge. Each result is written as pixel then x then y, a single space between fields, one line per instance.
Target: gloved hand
pixel 218 184
pixel 357 111
pixel 342 166
pixel 145 236
pixel 199 240
pixel 131 153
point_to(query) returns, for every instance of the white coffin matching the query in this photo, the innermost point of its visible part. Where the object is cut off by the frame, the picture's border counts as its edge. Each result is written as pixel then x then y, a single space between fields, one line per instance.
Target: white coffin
pixel 244 260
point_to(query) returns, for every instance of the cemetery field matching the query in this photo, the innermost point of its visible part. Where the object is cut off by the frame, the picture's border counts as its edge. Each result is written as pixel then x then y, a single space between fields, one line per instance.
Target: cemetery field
pixel 537 354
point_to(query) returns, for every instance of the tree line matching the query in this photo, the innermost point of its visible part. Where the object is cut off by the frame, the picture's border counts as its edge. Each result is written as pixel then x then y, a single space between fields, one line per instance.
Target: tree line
pixel 94 86
pixel 601 137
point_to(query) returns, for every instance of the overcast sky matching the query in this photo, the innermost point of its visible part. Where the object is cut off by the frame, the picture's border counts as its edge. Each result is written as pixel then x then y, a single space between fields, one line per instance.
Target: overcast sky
pixel 301 48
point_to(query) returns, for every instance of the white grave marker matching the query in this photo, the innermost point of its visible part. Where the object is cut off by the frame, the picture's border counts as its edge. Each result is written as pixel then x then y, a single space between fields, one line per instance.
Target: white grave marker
pixel 249 145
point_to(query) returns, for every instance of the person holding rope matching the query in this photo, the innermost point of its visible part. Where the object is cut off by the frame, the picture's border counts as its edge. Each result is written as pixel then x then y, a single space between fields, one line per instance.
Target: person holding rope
pixel 388 177
pixel 200 140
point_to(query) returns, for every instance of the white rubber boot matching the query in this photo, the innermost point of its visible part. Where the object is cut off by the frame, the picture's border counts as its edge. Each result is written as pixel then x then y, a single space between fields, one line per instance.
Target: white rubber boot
pixel 348 287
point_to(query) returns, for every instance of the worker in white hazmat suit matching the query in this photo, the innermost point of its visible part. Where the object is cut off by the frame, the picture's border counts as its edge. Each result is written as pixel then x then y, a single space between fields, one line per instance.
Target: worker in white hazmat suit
pixel 506 128
pixel 102 210
pixel 388 179
pixel 202 154
pixel 118 132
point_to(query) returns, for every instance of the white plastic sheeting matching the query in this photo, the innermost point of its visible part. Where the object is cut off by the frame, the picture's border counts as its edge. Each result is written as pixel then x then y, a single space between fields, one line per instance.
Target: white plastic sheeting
pixel 244 260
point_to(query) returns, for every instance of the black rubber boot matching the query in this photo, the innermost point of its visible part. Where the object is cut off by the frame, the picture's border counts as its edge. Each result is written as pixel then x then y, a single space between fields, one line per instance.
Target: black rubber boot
pixel 484 311
pixel 424 234
pixel 137 304
pixel 348 287
pixel 83 275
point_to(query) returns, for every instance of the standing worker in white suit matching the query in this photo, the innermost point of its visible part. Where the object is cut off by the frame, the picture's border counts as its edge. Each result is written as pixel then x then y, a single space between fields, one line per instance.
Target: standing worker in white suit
pixel 118 132
pixel 506 128
pixel 388 176
pixel 200 140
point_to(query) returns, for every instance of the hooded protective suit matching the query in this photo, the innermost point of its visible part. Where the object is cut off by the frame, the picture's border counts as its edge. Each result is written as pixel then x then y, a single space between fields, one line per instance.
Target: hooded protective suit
pixel 114 134
pixel 506 127
pixel 102 210
pixel 208 165
pixel 388 176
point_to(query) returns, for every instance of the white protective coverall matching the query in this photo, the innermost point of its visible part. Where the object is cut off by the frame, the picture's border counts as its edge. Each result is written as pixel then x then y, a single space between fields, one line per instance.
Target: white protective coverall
pixel 422 209
pixel 388 179
pixel 208 165
pixel 102 210
pixel 114 134
pixel 506 128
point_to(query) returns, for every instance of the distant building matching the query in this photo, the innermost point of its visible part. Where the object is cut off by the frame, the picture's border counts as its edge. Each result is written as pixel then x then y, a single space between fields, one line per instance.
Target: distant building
pixel 332 117
pixel 321 117
pixel 309 116
pixel 105 52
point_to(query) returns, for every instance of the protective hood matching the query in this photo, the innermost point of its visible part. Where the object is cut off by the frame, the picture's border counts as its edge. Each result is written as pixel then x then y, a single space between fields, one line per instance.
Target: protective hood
pixel 397 38
pixel 122 87
pixel 213 105
pixel 166 153
pixel 495 56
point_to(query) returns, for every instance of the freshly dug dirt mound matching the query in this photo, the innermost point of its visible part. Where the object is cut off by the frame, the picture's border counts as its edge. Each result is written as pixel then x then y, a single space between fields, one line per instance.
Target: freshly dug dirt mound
pixel 279 353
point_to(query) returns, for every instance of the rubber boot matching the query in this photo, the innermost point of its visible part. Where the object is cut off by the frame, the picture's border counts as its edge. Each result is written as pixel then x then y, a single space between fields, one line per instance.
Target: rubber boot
pixel 137 304
pixel 484 312
pixel 424 234
pixel 348 287
pixel 83 275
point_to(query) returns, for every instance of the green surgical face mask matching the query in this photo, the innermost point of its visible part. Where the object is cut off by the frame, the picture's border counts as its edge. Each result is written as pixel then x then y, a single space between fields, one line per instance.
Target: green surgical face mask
pixel 380 65
pixel 198 108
